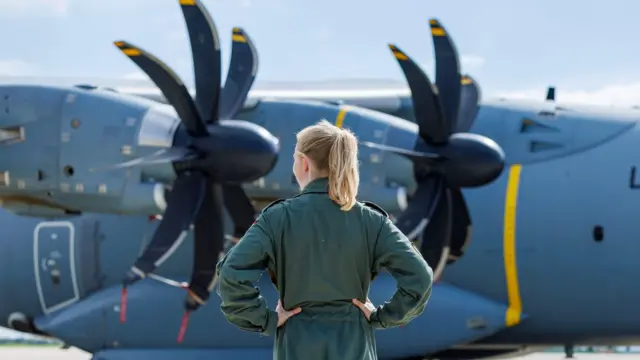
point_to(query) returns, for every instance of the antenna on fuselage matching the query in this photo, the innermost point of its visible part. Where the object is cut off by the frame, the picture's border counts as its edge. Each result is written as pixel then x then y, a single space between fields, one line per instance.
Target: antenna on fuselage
pixel 549 108
pixel 551 93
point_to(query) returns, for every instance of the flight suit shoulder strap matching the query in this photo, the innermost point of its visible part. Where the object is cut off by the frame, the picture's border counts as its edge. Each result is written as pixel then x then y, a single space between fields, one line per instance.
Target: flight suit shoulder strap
pixel 375 207
pixel 271 205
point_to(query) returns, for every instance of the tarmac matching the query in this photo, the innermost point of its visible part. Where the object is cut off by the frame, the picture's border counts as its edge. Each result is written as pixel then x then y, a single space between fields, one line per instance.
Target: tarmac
pixel 52 353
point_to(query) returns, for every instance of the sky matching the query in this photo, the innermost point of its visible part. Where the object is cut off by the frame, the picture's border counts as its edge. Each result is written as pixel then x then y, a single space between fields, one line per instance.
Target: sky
pixel 514 49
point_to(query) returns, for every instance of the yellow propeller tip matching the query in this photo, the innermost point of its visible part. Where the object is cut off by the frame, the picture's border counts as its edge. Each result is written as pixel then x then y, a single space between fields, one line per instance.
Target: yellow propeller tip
pixel 118 43
pixel 434 22
pixel 398 53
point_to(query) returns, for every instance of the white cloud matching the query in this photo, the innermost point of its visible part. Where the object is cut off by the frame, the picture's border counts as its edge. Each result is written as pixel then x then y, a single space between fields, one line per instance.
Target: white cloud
pixel 615 94
pixel 16 67
pixel 37 7
pixel 137 75
pixel 471 62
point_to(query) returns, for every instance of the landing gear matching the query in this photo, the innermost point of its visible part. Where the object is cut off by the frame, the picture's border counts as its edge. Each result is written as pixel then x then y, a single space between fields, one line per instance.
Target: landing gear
pixel 23 323
pixel 568 351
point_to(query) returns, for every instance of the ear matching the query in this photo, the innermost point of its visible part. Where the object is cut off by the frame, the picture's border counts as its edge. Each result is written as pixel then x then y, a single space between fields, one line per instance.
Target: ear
pixel 305 163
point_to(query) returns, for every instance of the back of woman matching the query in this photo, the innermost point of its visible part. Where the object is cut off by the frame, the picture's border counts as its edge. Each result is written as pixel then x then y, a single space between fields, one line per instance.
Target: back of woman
pixel 325 259
pixel 322 249
pixel 325 253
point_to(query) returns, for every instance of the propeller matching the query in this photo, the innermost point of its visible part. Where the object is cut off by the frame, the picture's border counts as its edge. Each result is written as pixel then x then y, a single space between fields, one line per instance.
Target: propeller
pixel 445 156
pixel 211 157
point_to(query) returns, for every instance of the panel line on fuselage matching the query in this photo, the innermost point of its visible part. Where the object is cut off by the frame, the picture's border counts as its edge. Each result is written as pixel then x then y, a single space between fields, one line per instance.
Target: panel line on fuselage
pixel 514 311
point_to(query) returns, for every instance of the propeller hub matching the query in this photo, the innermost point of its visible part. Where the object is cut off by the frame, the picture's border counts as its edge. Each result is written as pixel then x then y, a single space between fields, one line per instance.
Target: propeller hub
pixel 235 151
pixel 471 160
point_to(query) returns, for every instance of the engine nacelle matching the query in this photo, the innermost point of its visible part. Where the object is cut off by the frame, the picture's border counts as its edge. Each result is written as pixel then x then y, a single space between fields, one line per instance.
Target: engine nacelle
pixel 53 139
pixel 391 199
pixel 23 207
pixel 140 198
pixel 144 198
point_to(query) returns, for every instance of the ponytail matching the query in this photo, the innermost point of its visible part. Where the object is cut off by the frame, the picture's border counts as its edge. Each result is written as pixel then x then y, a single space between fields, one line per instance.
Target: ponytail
pixel 335 151
pixel 344 177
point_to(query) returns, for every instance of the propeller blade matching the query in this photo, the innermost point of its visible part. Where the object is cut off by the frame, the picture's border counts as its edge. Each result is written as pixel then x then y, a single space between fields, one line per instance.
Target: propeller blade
pixel 242 72
pixel 411 154
pixel 461 229
pixel 239 207
pixel 427 108
pixel 436 237
pixel 183 203
pixel 162 156
pixel 421 208
pixel 205 47
pixel 447 72
pixel 170 84
pixel 469 107
pixel 208 243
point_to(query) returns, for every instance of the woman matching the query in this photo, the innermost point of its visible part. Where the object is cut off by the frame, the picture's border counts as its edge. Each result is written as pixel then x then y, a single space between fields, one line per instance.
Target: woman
pixel 322 249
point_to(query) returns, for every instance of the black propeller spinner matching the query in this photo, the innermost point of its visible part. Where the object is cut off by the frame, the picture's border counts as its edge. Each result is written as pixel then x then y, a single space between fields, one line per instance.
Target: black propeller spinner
pixel 445 156
pixel 211 157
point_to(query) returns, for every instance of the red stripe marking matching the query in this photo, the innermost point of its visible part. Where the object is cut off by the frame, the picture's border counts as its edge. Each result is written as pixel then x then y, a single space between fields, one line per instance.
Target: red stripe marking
pixel 183 326
pixel 123 305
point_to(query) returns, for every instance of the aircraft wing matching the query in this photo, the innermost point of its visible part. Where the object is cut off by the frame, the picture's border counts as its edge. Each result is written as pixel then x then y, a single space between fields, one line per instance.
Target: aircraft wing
pixel 382 95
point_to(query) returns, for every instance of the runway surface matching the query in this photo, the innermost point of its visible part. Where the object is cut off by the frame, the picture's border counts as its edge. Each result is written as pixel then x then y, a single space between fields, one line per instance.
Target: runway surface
pixel 49 353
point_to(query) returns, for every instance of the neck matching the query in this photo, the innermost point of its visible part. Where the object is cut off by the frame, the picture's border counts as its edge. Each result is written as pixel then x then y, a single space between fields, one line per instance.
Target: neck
pixel 312 179
pixel 314 174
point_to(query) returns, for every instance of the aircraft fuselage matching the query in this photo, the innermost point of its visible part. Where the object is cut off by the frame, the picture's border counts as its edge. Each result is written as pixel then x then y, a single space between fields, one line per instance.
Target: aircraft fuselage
pixel 552 237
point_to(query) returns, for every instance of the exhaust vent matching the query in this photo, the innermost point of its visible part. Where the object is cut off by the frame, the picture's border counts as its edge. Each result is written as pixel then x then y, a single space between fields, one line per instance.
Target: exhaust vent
pixel 12 135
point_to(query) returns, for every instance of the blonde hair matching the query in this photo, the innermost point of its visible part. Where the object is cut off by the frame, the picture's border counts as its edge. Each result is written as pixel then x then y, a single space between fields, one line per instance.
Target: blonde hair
pixel 334 150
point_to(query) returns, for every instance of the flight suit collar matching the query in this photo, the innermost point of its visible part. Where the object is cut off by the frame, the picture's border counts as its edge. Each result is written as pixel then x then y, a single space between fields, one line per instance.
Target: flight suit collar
pixel 320 185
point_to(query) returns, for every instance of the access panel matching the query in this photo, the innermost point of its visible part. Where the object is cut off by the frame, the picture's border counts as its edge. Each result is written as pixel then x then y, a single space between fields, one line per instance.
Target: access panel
pixel 54 261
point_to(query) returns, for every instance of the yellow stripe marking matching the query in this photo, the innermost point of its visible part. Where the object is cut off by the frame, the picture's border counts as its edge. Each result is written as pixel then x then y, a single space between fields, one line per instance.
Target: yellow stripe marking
pixel 433 22
pixel 465 80
pixel 437 31
pixel 340 118
pixel 188 2
pixel 131 52
pixel 397 53
pixel 400 56
pixel 514 311
pixel 238 38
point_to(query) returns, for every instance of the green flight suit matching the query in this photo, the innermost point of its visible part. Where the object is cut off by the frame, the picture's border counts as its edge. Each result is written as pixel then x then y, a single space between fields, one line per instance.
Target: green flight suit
pixel 320 258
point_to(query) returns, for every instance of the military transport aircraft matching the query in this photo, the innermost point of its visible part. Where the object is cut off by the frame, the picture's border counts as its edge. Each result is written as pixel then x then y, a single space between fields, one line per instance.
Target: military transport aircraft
pixel 552 261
